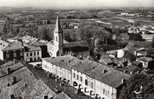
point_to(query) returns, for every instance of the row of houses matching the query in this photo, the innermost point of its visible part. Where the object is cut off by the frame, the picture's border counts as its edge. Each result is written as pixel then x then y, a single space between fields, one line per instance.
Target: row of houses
pixel 19 51
pixel 91 78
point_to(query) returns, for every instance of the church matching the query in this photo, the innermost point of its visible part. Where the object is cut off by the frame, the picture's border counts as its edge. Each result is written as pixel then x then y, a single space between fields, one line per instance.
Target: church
pixel 59 47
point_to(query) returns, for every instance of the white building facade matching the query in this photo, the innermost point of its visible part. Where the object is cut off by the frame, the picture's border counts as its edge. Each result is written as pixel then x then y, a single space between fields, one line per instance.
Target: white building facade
pixel 90 84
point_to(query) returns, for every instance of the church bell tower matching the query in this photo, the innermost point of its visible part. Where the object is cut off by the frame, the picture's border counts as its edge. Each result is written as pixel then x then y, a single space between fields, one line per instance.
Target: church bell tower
pixel 58 38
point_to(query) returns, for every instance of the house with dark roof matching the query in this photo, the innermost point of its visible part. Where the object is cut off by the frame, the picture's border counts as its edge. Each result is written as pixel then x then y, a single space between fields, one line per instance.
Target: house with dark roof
pixel 91 78
pixel 19 51
pixel 14 50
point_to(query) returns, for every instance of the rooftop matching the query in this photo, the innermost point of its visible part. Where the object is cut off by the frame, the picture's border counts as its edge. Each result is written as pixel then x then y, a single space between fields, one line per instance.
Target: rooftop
pixel 62 95
pixel 32 48
pixel 13 66
pixel 14 46
pixel 62 61
pixel 26 85
pixel 145 59
pixel 114 78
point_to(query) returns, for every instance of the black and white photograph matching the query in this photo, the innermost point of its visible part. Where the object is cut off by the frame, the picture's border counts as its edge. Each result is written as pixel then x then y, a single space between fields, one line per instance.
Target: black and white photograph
pixel 76 49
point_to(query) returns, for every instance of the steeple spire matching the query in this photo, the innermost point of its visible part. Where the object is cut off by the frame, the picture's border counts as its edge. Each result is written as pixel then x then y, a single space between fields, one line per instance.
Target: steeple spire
pixel 58 28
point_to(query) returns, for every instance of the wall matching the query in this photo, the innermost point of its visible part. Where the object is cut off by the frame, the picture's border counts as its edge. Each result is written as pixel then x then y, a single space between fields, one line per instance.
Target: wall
pixel 93 88
pixel 56 70
pixel 32 56
pixel 13 54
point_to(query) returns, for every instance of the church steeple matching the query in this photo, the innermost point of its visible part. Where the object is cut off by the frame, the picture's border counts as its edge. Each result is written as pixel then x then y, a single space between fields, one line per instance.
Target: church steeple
pixel 56 47
pixel 58 36
pixel 58 28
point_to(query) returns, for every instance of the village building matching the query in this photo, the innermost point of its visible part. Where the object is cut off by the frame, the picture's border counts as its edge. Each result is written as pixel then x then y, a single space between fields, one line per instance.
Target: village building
pixel 91 78
pixel 145 61
pixel 43 45
pixel 2 25
pixel 144 52
pixel 32 53
pixel 12 51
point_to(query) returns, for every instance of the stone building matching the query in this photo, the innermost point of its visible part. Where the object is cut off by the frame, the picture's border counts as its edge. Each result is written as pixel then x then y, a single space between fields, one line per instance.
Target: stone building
pixel 14 50
pixel 91 78
pixel 32 53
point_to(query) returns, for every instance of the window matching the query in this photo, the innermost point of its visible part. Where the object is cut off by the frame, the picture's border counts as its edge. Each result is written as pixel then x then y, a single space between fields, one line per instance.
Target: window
pixel 105 71
pixel 103 91
pixel 91 92
pixel 30 54
pixel 92 85
pixel 81 79
pixel 56 38
pixel 85 89
pixel 21 54
pixel 77 77
pixel 27 54
pixel 38 53
pixel 14 54
pixel 7 56
pixel 86 82
pixel 74 75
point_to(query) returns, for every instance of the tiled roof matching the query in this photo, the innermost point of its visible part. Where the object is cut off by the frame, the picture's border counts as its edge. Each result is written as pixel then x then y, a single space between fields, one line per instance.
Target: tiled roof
pixel 92 69
pixel 39 43
pixel 61 95
pixel 11 65
pixel 32 48
pixel 61 61
pixel 27 85
pixel 114 78
pixel 13 46
pixel 145 59
pixel 105 59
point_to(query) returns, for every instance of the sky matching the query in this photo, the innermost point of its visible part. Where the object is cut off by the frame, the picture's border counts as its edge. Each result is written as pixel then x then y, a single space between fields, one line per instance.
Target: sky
pixel 77 3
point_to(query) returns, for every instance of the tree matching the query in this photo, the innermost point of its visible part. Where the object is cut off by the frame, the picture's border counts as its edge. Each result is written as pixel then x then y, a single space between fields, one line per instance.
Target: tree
pixel 44 33
pixel 140 82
